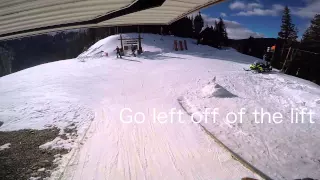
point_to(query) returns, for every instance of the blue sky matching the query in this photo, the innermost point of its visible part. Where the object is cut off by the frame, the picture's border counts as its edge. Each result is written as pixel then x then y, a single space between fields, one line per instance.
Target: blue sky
pixel 260 18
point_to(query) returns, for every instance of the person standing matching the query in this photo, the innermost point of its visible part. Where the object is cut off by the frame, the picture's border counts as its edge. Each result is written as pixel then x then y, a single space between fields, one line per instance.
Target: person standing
pixel 118 52
pixel 133 49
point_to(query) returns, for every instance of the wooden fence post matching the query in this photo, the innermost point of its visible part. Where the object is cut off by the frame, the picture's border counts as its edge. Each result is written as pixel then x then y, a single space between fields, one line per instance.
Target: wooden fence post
pixel 185 45
pixel 284 64
pixel 175 45
pixel 181 45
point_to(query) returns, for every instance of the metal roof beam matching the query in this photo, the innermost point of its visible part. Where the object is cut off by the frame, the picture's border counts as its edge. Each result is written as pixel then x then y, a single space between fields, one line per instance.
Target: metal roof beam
pixel 138 5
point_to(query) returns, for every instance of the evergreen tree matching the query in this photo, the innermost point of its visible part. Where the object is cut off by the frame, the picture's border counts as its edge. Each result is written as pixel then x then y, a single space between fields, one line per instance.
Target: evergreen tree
pixel 198 25
pixel 6 58
pixel 288 29
pixel 221 34
pixel 312 35
pixel 215 25
pixel 247 45
pixel 182 27
pixel 192 21
pixel 310 65
pixel 207 36
pixel 216 35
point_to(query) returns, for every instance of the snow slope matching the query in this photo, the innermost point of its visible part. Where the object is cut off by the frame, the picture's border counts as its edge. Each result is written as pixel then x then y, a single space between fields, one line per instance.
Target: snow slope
pixel 156 49
pixel 94 87
pixel 282 150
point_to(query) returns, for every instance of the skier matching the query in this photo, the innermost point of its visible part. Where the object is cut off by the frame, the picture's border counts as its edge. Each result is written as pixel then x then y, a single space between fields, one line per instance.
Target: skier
pixel 267 57
pixel 133 49
pixel 264 56
pixel 118 52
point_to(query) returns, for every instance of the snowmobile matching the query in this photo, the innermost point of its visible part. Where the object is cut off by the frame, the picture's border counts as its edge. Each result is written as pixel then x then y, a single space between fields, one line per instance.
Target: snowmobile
pixel 260 67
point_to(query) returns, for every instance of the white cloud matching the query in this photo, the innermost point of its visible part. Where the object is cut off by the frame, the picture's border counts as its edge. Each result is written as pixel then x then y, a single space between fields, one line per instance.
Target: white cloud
pixel 254 5
pixel 223 14
pixel 278 7
pixel 235 30
pixel 311 8
pixel 243 34
pixel 243 6
pixel 309 11
pixel 274 11
pixel 237 5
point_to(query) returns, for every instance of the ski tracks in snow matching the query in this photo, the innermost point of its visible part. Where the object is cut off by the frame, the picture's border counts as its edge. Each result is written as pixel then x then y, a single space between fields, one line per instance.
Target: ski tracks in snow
pixel 150 150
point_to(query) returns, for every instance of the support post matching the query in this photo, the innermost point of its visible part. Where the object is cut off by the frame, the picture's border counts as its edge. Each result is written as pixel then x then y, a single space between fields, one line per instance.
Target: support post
pixel 139 41
pixel 121 50
pixel 181 45
pixel 285 62
pixel 185 45
pixel 121 41
pixel 175 45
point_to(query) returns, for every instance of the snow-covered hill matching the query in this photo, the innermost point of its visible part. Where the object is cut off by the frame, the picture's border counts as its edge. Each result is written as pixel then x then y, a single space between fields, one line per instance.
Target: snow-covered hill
pixel 154 47
pixel 91 91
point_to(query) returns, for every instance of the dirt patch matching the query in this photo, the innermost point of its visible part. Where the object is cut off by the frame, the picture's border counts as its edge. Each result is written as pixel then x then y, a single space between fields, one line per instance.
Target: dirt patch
pixel 69 132
pixel 24 158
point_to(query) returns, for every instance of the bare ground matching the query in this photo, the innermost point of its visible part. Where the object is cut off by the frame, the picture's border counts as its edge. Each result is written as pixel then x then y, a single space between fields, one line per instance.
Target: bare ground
pixel 24 157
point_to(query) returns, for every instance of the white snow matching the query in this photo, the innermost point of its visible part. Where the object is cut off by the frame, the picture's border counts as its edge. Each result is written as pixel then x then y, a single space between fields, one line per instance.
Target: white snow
pixel 282 150
pixel 34 178
pixel 98 88
pixel 41 169
pixel 212 89
pixel 5 146
pixel 59 143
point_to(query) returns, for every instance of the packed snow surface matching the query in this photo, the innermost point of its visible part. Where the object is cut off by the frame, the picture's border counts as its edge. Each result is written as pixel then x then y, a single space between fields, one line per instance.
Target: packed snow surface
pixel 122 109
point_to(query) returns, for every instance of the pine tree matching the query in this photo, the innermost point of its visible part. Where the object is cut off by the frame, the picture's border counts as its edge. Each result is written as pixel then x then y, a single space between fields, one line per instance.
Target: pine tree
pixel 182 27
pixel 310 66
pixel 307 35
pixel 311 38
pixel 208 36
pixel 312 34
pixel 198 25
pixel 216 35
pixel 288 29
pixel 215 25
pixel 221 34
pixel 6 58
